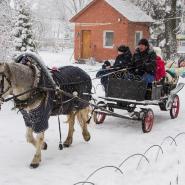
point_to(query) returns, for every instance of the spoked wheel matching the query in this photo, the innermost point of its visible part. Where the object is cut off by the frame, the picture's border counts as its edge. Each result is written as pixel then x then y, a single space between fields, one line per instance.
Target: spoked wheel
pixel 99 117
pixel 174 111
pixel 147 120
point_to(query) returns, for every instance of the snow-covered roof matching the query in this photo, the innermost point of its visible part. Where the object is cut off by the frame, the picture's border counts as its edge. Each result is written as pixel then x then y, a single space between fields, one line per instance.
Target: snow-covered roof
pixel 130 11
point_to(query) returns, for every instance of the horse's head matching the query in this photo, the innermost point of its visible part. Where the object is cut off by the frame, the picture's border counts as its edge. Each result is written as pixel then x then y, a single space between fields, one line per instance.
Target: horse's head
pixel 17 80
pixel 5 84
pixel 22 79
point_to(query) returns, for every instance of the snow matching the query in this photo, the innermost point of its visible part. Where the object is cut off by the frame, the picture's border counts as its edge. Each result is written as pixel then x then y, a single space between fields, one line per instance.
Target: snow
pixel 130 11
pixel 111 143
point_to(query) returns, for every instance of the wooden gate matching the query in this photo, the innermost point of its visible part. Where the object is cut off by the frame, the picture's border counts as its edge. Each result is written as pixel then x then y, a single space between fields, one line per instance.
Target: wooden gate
pixel 86 44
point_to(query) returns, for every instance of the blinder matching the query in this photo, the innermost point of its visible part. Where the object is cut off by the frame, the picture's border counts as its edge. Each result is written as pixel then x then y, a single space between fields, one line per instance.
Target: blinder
pixel 2 86
pixel 1 83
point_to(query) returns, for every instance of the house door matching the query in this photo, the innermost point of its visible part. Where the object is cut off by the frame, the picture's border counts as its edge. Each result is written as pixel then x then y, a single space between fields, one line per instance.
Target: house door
pixel 86 44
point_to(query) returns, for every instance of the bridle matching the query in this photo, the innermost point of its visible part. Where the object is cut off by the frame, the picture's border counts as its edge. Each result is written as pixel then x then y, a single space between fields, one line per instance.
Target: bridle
pixel 34 91
pixel 2 85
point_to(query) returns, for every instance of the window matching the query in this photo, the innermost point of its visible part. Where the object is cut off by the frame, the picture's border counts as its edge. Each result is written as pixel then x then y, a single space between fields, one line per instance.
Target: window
pixel 138 37
pixel 182 43
pixel 108 38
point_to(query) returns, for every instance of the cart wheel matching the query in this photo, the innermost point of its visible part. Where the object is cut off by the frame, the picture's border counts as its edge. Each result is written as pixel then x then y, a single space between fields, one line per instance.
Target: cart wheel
pixel 147 121
pixel 174 111
pixel 99 117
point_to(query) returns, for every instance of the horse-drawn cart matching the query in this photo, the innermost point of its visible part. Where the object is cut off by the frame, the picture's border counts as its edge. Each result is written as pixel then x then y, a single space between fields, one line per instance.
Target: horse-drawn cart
pixel 131 95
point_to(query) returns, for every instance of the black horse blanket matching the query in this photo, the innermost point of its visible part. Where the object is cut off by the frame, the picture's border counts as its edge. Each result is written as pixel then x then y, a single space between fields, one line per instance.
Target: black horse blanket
pixel 70 79
pixel 74 81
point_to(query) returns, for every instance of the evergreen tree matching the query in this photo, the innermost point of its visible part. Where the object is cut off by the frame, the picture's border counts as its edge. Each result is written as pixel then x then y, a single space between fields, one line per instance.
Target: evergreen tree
pixel 22 32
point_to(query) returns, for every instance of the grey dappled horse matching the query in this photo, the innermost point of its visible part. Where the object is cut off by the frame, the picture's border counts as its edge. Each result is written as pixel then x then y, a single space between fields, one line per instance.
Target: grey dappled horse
pixel 17 78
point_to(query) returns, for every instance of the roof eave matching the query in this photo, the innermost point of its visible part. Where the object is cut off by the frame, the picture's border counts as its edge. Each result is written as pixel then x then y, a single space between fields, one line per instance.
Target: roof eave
pixel 81 11
pixel 146 22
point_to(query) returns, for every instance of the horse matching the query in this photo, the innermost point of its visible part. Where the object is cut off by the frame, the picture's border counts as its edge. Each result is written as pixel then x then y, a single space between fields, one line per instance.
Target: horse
pixel 23 83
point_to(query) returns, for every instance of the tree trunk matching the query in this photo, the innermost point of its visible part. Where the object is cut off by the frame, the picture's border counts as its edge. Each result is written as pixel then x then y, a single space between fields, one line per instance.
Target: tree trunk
pixel 170 30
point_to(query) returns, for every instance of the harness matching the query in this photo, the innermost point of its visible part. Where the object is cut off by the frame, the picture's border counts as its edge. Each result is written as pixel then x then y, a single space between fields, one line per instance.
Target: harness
pixel 36 94
pixel 45 88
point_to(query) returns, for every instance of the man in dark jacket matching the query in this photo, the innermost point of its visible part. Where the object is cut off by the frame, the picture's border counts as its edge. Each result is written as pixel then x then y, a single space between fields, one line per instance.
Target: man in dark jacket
pixel 123 60
pixel 106 68
pixel 144 61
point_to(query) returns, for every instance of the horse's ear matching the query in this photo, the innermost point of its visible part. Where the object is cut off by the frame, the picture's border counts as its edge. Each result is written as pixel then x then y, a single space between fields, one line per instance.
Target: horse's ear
pixel 3 67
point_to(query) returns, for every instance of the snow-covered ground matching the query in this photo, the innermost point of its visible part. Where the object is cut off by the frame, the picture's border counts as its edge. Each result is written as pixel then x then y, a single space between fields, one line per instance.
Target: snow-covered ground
pixel 111 143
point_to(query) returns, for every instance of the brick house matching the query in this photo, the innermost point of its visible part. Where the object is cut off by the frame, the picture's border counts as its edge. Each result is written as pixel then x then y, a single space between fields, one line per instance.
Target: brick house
pixel 103 25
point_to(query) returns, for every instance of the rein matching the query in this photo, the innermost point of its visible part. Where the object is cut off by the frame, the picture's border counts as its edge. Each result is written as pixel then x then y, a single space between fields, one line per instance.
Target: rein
pixel 18 95
pixel 117 71
pixel 60 91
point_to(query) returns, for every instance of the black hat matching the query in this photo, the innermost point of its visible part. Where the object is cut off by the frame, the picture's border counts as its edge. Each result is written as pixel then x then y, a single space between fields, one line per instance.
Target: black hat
pixel 144 42
pixel 123 48
pixel 181 59
pixel 105 64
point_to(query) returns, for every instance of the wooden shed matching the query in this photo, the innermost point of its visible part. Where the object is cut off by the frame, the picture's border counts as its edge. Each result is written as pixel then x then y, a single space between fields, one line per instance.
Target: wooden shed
pixel 103 25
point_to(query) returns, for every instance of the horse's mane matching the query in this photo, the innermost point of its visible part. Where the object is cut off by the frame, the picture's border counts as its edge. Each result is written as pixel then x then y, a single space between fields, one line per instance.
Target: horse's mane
pixel 21 75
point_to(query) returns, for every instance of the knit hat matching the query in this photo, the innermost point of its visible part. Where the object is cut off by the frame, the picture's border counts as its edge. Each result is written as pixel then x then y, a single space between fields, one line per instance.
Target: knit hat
pixel 158 51
pixel 144 42
pixel 123 48
pixel 106 64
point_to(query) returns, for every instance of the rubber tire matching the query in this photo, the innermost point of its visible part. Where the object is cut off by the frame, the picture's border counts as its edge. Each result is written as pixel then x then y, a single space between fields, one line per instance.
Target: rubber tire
pixel 147 116
pixel 174 111
pixel 99 118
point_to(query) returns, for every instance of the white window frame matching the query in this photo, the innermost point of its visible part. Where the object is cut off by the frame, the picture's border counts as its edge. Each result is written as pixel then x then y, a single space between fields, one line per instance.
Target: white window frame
pixel 104 39
pixel 141 36
pixel 182 43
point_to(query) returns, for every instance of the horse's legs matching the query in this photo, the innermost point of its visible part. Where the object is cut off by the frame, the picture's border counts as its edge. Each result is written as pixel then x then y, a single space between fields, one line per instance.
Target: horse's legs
pixel 38 144
pixel 83 116
pixel 30 138
pixel 70 121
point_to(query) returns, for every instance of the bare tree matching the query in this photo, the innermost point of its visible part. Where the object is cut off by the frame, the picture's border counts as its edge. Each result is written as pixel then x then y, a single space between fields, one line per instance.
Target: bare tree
pixel 170 28
pixel 166 16
pixel 74 6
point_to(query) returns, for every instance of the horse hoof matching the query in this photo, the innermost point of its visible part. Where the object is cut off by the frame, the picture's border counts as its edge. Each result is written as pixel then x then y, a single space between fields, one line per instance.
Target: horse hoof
pixel 88 139
pixel 34 165
pixel 44 146
pixel 66 145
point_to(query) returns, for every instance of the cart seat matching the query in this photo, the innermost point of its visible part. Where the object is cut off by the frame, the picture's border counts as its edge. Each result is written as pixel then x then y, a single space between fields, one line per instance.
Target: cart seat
pixel 126 89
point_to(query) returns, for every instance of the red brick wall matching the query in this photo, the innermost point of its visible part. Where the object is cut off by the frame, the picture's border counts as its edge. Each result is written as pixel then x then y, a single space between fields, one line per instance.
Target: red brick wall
pixel 98 12
pixel 97 49
pixel 101 12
